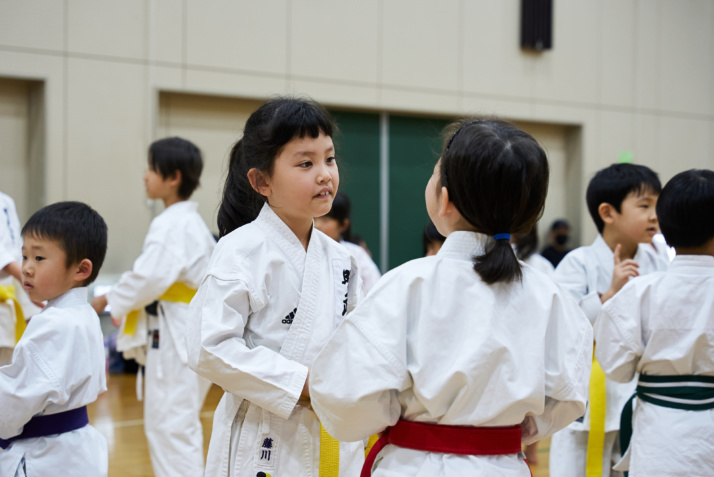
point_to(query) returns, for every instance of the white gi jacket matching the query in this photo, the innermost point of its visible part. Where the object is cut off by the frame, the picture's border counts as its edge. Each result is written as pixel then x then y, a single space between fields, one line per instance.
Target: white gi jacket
pixel 263 312
pixel 586 272
pixel 58 365
pixel 663 324
pixel 368 270
pixel 177 248
pixel 434 343
pixel 540 263
pixel 10 251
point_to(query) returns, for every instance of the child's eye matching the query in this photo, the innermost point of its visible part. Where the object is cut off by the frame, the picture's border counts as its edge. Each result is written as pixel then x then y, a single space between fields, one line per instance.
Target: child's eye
pixel 24 258
pixel 331 160
pixel 39 259
pixel 305 164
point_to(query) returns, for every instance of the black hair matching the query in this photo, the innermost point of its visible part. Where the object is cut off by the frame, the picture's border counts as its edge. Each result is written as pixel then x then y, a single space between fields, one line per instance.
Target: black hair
pixel 559 224
pixel 341 210
pixel 172 154
pixel 78 229
pixel 497 177
pixel 430 235
pixel 685 209
pixel 266 132
pixel 527 244
pixel 614 183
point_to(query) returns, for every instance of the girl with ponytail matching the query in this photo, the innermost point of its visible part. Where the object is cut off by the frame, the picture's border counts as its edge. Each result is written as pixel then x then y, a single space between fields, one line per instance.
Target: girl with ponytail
pixel 462 357
pixel 275 290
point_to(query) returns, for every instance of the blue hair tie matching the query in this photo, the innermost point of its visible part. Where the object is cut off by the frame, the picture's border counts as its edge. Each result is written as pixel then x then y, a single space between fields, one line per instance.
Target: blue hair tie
pixel 502 237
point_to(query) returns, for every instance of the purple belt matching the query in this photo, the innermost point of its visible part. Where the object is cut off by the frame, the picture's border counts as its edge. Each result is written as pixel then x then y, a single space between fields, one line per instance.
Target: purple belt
pixel 40 426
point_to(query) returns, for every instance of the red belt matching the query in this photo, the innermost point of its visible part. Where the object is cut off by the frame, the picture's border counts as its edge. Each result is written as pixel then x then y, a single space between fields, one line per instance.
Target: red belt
pixel 463 440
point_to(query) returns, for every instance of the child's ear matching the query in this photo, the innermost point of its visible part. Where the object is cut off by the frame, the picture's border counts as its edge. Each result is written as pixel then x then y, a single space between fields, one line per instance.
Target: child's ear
pixel 258 182
pixel 175 179
pixel 606 212
pixel 84 270
pixel 445 205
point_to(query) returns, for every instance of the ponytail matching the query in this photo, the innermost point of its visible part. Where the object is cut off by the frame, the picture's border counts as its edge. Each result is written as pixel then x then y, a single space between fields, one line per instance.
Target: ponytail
pixel 498 264
pixel 241 204
pixel 497 177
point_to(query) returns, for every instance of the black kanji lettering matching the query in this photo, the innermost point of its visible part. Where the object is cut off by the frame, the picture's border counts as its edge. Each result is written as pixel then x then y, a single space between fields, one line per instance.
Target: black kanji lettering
pixel 345 276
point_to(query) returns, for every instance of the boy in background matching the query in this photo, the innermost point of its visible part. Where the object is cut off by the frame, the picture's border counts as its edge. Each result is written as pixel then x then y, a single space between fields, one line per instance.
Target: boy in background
pixel 621 200
pixel 164 279
pixel 662 327
pixel 58 365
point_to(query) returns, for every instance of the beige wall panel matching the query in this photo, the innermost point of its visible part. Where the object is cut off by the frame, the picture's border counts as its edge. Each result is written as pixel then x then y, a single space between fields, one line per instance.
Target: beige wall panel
pixel 569 72
pixel 233 84
pixel 684 144
pixel 248 36
pixel 214 124
pixel 493 61
pixel 335 94
pixel 50 70
pixel 617 53
pixel 414 100
pixel 504 108
pixel 647 54
pixel 646 150
pixel 420 44
pixel 616 136
pixel 106 151
pixel 687 58
pixel 335 40
pixel 108 28
pixel 166 23
pixel 32 24
pixel 165 77
pixel 14 133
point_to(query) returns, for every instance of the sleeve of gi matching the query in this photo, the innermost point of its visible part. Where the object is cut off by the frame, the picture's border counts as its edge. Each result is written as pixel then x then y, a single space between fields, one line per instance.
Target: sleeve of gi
pixel 572 274
pixel 218 351
pixel 568 360
pixel 618 334
pixel 153 273
pixel 29 384
pixel 355 380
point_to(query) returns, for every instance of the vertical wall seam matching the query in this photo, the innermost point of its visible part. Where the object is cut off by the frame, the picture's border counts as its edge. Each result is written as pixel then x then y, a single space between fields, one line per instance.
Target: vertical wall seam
pixel 65 109
pixel 288 37
pixel 384 191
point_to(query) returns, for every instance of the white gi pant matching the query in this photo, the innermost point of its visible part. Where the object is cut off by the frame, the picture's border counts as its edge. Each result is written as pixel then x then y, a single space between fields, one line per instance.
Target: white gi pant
pixel 568 453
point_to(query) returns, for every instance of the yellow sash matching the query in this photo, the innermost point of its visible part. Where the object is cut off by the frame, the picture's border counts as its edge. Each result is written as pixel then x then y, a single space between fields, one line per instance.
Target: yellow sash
pixel 7 293
pixel 177 293
pixel 370 443
pixel 596 437
pixel 329 454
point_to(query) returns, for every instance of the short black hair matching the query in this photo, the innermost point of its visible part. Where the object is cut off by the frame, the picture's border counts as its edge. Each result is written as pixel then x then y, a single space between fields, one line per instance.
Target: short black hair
pixel 685 209
pixel 78 229
pixel 431 235
pixel 614 183
pixel 341 211
pixel 166 156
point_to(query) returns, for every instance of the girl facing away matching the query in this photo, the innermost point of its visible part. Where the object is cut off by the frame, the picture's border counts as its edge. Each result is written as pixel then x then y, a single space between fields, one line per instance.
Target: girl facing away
pixel 275 291
pixel 461 357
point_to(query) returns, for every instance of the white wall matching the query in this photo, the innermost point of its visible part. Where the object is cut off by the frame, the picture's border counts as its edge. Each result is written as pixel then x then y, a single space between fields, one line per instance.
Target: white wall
pixel 634 75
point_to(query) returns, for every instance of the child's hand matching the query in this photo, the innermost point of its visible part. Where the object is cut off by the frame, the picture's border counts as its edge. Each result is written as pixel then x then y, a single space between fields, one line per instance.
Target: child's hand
pixel 306 387
pixel 624 270
pixel 116 321
pixel 99 303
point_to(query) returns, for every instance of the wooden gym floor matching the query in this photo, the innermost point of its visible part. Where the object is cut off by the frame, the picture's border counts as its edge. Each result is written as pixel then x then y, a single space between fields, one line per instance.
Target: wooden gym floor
pixel 118 415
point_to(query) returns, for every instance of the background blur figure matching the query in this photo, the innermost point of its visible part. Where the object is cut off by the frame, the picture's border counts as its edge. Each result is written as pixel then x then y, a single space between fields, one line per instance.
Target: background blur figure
pixel 432 240
pixel 557 238
pixel 336 225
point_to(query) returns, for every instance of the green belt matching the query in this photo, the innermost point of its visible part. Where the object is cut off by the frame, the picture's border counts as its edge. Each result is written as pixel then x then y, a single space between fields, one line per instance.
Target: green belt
pixel 685 392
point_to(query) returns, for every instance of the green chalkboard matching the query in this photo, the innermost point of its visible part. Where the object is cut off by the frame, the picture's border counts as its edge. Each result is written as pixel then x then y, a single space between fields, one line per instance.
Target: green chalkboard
pixel 357 146
pixel 414 147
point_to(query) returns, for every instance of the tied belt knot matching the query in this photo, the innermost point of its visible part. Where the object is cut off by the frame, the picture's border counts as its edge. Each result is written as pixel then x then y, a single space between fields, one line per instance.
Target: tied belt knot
pixel 684 392
pixel 59 423
pixel 462 440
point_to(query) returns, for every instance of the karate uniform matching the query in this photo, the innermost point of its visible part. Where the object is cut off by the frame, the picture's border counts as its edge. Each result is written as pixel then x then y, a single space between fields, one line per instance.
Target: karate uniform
pixel 177 249
pixel 10 251
pixel 540 263
pixel 587 273
pixel 663 324
pixel 433 343
pixel 57 366
pixel 368 271
pixel 263 312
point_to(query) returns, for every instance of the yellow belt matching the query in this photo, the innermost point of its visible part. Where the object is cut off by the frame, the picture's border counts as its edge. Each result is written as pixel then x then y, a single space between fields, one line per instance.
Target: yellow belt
pixel 177 293
pixel 329 454
pixel 596 437
pixel 7 292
